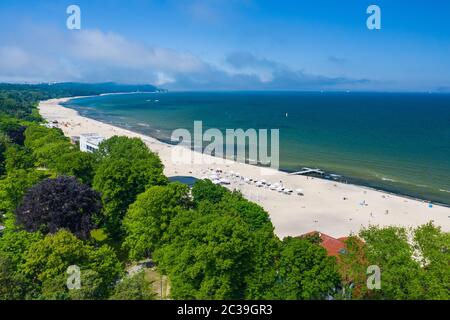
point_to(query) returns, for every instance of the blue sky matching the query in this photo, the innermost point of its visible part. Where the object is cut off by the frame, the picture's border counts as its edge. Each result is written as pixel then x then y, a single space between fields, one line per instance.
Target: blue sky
pixel 230 44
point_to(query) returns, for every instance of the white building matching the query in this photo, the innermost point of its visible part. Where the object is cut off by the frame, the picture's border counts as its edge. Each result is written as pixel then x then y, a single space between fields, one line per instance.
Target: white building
pixel 89 142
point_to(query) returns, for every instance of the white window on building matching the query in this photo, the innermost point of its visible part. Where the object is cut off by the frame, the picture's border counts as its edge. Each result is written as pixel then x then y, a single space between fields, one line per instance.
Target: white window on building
pixel 89 142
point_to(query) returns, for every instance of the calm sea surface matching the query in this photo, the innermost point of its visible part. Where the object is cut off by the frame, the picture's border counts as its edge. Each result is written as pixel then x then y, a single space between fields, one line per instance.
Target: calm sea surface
pixel 395 142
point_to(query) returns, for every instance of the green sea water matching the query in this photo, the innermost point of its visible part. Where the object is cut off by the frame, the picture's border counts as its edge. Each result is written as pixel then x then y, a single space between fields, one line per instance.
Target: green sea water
pixel 391 141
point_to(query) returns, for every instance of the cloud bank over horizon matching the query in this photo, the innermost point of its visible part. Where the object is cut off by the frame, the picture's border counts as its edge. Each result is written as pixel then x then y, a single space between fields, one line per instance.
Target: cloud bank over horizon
pixel 91 55
pixel 229 44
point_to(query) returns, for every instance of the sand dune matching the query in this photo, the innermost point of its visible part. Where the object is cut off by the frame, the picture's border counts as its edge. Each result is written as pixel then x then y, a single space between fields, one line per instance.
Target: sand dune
pixel 334 208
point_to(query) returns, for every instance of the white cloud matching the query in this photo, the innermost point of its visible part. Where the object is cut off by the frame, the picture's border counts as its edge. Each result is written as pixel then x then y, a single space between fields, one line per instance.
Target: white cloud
pixel 94 45
pixel 96 56
pixel 13 58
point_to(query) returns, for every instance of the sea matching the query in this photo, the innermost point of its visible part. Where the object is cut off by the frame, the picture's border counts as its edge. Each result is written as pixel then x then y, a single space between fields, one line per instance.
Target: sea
pixel 396 142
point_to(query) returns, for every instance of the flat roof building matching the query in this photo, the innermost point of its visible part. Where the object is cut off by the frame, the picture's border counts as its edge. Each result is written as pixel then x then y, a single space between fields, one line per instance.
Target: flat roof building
pixel 89 142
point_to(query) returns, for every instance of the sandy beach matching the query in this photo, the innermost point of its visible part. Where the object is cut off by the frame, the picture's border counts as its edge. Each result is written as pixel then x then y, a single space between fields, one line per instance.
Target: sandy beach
pixel 334 208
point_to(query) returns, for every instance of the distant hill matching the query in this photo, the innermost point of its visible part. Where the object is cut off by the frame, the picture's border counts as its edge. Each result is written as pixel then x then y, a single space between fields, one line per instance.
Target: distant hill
pixel 20 100
pixel 81 89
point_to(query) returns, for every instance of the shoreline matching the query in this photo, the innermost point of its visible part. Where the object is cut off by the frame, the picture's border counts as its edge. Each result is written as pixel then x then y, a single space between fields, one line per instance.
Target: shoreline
pixel 343 178
pixel 332 207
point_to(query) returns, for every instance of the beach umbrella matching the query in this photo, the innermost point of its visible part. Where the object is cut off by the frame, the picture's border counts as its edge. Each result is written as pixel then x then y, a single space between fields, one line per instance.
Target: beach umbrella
pixel 280 189
pixel 259 184
pixel 263 181
pixel 272 187
pixel 224 181
pixel 299 191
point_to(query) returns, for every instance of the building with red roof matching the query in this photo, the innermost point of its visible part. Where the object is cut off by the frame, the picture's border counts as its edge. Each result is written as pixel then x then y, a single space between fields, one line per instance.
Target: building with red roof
pixel 334 246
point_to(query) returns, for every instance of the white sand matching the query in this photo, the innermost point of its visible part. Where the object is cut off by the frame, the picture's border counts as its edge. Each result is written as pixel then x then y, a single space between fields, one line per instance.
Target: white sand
pixel 322 207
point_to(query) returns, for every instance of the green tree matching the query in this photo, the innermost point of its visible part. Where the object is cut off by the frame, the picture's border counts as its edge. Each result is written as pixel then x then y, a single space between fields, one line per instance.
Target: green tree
pixel 265 245
pixel 135 287
pixel 209 256
pixel 401 275
pixel 261 281
pixel 92 287
pixel 433 246
pixel 149 217
pixel 54 289
pixel 104 261
pixel 4 143
pixel 47 260
pixel 14 186
pixel 205 190
pixel 13 249
pixel 37 136
pixel 254 215
pixel 258 278
pixel 50 257
pixel 353 269
pixel 122 147
pixel 12 285
pixel 15 245
pixel 126 168
pixel 18 158
pixel 305 271
pixel 413 263
pixel 52 150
